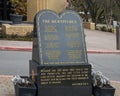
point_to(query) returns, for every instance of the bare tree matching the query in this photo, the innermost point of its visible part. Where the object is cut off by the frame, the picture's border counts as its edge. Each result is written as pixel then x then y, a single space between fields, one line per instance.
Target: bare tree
pixel 118 3
pixel 108 12
pixel 95 8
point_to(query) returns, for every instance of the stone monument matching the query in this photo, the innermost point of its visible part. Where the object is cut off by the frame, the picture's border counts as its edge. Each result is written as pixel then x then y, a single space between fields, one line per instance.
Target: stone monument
pixel 59 64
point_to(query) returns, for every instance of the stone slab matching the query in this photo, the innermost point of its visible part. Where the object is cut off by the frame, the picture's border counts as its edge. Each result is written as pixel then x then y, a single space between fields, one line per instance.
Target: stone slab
pixel 17 29
pixel 59 38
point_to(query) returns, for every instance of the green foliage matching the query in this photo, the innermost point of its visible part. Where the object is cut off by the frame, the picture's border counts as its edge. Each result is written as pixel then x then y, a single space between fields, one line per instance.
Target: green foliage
pixel 77 5
pixel 15 37
pixel 118 3
pixel 103 27
pixel 19 7
pixel 116 11
pixel 100 11
pixel 95 9
pixel 2 35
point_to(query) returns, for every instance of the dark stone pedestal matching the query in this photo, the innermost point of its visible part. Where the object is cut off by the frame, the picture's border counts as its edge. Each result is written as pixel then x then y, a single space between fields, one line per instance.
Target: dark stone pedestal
pixel 104 91
pixel 25 90
pixel 59 80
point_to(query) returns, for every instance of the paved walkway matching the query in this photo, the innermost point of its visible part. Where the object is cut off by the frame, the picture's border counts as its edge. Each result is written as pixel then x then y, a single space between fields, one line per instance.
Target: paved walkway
pixel 99 40
pixel 96 42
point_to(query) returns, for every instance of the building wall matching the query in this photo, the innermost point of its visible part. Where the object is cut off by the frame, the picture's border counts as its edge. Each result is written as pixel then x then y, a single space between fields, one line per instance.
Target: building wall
pixel 33 6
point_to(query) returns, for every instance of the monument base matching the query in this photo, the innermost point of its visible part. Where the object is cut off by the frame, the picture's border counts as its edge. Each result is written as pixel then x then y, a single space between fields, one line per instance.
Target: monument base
pixel 62 80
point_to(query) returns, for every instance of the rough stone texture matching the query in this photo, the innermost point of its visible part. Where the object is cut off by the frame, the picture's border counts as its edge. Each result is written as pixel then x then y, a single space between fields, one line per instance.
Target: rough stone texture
pixel 6 86
pixel 89 25
pixel 116 85
pixel 19 29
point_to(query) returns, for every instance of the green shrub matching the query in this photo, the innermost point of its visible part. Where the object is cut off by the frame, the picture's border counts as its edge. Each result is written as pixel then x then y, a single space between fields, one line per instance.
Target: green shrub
pixel 15 37
pixel 103 28
pixel 19 7
pixel 2 35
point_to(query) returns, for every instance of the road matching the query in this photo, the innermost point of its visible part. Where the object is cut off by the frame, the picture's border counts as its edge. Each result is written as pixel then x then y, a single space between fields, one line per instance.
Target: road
pixel 17 63
pixel 108 64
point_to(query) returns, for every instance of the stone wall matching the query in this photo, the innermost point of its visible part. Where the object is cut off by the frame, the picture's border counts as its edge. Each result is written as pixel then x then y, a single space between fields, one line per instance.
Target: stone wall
pixel 18 29
pixel 33 6
pixel 89 25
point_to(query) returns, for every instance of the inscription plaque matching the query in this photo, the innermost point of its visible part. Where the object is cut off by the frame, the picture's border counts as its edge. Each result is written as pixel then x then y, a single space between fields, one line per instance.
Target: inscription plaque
pixel 65 75
pixel 62 80
pixel 60 38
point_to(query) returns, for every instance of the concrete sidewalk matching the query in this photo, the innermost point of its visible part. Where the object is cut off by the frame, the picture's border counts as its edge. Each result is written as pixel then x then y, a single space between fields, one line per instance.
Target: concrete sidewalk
pixel 96 42
pixel 100 41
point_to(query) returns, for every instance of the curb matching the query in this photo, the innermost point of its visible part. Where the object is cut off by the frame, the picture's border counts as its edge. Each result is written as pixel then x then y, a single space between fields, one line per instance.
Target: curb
pixel 15 49
pixel 30 49
pixel 116 82
pixel 103 51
